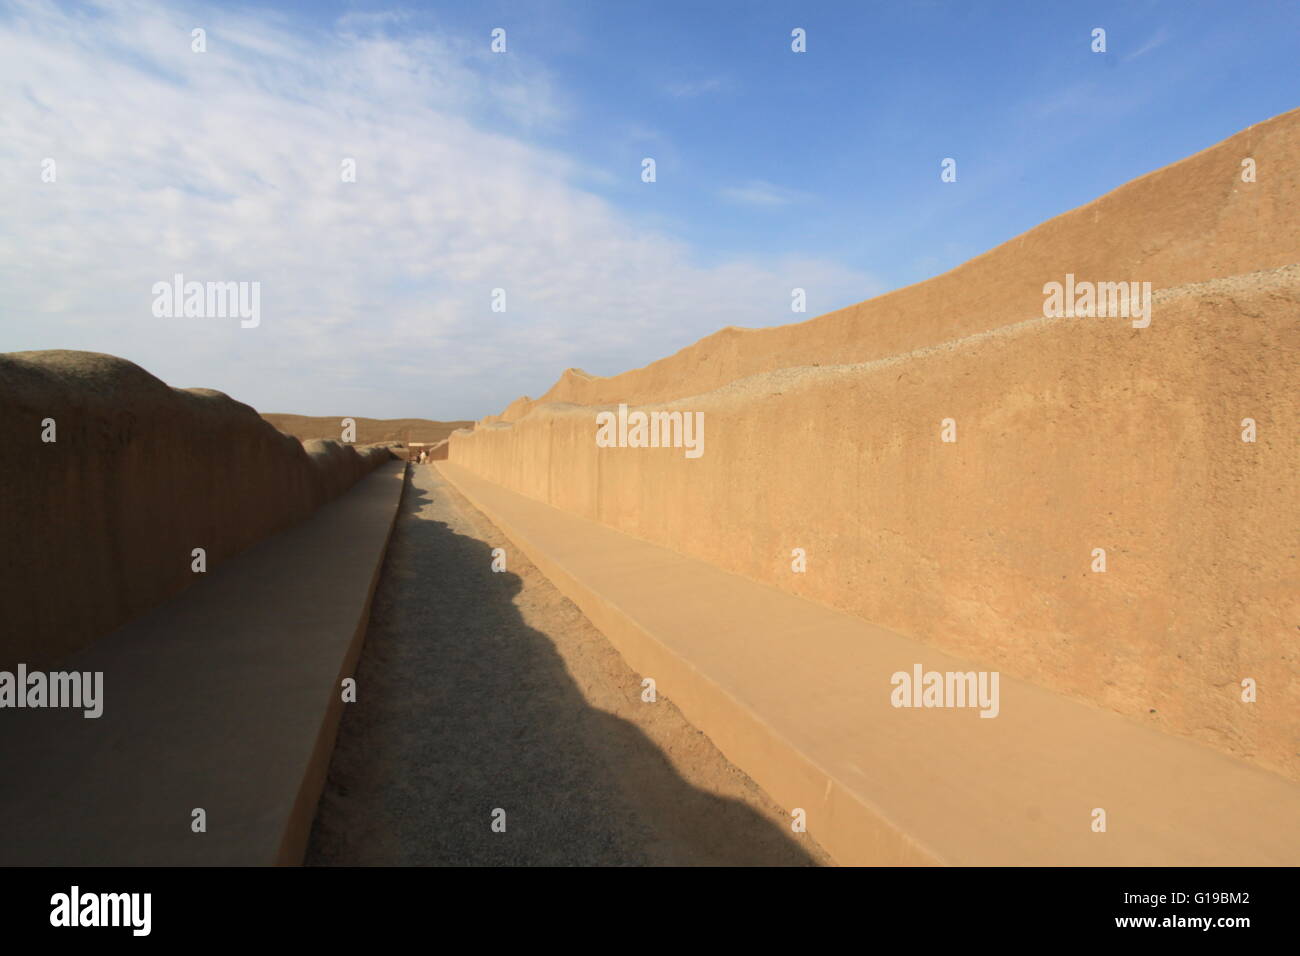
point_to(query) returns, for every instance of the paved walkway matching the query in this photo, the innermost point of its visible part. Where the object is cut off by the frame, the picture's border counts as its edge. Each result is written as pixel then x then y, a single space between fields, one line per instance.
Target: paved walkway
pixel 481 690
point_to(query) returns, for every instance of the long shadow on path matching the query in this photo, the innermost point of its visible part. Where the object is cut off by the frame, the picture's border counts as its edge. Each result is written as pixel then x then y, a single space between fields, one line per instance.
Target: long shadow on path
pixel 463 709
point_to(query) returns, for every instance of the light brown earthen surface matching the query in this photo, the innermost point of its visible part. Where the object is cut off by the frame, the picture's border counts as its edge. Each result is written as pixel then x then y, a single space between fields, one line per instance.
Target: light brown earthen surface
pixel 801 697
pixel 226 697
pixel 1072 434
pixel 100 525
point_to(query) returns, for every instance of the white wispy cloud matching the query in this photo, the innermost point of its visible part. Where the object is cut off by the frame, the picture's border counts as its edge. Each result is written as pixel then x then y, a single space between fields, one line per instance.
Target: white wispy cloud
pixel 376 294
pixel 1158 39
pixel 758 192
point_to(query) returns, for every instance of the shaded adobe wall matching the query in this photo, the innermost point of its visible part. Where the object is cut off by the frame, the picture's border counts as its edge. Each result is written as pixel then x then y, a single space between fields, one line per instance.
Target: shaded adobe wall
pixel 100 525
pixel 1072 434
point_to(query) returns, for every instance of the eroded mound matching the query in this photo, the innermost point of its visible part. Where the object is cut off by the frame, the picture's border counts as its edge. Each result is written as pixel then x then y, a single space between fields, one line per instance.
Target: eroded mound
pixel 113 479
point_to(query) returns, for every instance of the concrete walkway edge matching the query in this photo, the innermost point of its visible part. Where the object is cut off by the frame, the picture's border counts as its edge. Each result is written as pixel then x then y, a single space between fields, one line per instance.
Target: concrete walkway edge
pixel 297 830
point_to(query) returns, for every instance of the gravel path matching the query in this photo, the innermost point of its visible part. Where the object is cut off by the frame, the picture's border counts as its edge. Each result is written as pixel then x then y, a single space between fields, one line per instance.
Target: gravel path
pixel 480 690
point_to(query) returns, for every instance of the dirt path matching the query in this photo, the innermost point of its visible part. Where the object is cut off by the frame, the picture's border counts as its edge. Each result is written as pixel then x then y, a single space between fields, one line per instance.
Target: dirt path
pixel 480 690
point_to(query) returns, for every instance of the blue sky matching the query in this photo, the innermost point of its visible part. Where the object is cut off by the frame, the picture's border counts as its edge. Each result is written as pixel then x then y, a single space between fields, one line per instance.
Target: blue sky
pixel 522 171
